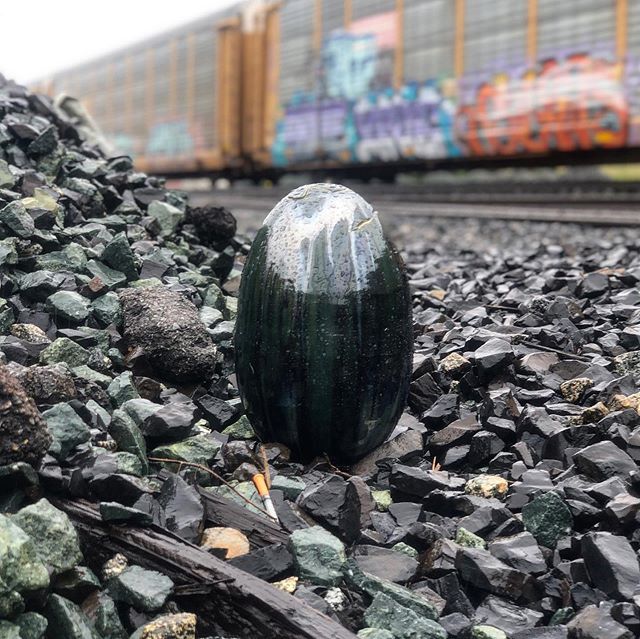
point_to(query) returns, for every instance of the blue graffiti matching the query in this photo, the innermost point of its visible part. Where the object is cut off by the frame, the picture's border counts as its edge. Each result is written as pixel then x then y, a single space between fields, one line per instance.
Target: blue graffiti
pixel 349 64
pixel 171 139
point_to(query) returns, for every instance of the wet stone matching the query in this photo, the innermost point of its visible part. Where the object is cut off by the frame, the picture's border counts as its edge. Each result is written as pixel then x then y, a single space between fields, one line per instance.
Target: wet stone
pixel 547 518
pixel 268 563
pixel 603 460
pixel 596 622
pixel 66 619
pixel 68 306
pixel 403 623
pixel 480 568
pixel 32 625
pixel 145 590
pixel 53 535
pixel 612 564
pixel 21 569
pixel 67 429
pixel 318 555
pixel 385 563
pixel 374 633
pixel 9 630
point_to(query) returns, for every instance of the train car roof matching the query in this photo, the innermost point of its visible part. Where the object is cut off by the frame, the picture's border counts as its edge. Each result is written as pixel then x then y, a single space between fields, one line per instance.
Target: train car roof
pixel 187 27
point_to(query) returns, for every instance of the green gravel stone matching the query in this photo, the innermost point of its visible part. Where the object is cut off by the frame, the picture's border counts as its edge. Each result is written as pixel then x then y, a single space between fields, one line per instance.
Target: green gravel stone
pixel 487 632
pixel 140 409
pixel 382 499
pixel 116 513
pixel 246 489
pixel 109 277
pixel 8 253
pixel 562 616
pixel 64 350
pixel 240 429
pixel 88 374
pixel 145 590
pixel 107 310
pixel 7 179
pixel 71 258
pixel 69 306
pixel 122 389
pixel 232 306
pixel 107 621
pixel 210 316
pixel 129 464
pixel 547 518
pixel 375 633
pixel 6 316
pixel 11 602
pixel 387 614
pixel 405 549
pixel 53 535
pixel 318 556
pixel 119 256
pixel 32 625
pixel 21 568
pixel 371 585
pixel 15 217
pixel 468 539
pixel 214 298
pixel 67 620
pixel 67 428
pixel 291 487
pixel 9 630
pixel 168 216
pixel 128 437
pixel 199 449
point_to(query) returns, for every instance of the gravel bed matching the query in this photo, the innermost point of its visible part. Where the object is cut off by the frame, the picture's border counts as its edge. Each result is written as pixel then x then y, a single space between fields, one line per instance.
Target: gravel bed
pixel 504 505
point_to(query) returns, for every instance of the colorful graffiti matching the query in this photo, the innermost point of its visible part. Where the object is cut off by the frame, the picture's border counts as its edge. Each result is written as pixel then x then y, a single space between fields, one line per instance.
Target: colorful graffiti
pixel 572 102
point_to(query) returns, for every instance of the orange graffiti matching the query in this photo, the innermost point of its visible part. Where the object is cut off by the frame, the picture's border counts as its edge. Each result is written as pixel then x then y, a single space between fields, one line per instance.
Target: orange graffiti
pixel 575 104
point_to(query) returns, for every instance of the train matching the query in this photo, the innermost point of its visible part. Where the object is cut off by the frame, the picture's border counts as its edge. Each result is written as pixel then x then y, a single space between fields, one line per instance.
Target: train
pixel 372 87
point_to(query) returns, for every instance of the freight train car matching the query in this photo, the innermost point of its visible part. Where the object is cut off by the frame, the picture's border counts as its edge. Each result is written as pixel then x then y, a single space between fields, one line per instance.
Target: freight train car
pixel 343 85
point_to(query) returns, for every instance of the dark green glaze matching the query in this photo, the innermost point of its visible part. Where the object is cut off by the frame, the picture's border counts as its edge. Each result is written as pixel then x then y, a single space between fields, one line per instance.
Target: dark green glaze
pixel 323 335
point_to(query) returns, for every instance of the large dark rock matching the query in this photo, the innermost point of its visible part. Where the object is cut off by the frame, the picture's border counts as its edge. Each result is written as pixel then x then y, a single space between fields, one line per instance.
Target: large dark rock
pixel 24 435
pixel 213 224
pixel 166 326
pixel 603 460
pixel 612 564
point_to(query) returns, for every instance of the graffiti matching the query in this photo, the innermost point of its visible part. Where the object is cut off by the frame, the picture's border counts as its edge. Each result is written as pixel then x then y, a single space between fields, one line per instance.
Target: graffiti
pixel 632 84
pixel 571 102
pixel 310 128
pixel 348 63
pixel 414 123
pixel 574 104
pixel 171 139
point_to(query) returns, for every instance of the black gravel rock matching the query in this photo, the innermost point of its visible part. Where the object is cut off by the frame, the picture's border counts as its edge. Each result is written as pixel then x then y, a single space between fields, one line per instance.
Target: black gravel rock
pixel 213 224
pixel 612 564
pixel 168 330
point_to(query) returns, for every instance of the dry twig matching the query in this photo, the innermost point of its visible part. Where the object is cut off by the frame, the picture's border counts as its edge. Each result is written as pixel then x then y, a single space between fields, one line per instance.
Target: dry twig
pixel 181 463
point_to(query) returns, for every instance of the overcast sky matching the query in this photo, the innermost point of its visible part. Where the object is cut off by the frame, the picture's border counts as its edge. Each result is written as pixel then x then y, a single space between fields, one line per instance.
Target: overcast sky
pixel 40 37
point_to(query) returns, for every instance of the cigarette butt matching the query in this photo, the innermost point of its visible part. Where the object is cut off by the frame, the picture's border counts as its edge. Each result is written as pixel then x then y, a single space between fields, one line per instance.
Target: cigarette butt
pixel 260 484
pixel 263 491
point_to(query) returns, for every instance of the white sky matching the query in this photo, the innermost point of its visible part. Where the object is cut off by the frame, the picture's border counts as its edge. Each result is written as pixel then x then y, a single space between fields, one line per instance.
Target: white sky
pixel 40 37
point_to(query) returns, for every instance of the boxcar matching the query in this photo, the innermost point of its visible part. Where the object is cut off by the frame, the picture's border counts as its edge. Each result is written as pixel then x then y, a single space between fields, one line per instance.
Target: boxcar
pixel 338 84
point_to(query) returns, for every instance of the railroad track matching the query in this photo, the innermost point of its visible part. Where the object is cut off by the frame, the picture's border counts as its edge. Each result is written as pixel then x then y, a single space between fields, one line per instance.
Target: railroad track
pixel 251 207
